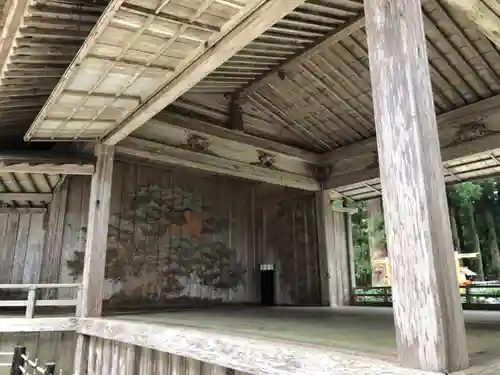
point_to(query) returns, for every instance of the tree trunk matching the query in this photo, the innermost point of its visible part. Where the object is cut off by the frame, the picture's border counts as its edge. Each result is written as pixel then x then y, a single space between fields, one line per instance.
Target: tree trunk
pixel 493 239
pixel 376 243
pixel 460 228
pixel 475 240
pixel 454 229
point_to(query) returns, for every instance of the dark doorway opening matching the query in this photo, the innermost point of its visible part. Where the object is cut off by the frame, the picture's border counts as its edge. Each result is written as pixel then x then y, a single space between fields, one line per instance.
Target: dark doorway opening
pixel 267 285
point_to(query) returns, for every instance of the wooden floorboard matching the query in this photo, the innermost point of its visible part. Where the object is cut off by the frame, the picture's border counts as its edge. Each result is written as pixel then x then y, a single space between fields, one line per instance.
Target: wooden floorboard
pixel 274 340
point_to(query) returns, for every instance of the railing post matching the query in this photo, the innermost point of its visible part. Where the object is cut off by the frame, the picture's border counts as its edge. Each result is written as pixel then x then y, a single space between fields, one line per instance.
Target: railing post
pixel 79 300
pixel 50 368
pixel 18 360
pixel 30 307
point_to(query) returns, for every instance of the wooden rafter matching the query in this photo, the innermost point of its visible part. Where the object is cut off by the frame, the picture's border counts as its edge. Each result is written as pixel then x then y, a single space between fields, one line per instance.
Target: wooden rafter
pixel 331 38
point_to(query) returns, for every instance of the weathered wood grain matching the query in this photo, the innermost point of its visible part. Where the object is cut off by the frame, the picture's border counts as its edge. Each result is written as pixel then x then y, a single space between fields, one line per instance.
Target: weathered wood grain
pixel 208 162
pixel 334 253
pixel 96 242
pixel 37 324
pixel 262 17
pixel 429 319
pixel 54 235
pixel 484 14
pixel 254 356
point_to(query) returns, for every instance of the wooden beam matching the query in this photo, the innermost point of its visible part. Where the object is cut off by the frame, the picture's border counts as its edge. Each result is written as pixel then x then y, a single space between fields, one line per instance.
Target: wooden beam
pixel 334 253
pixel 252 27
pixel 47 163
pixel 97 232
pixel 328 40
pixel 474 147
pixel 484 14
pixel 430 328
pixel 31 197
pixel 209 129
pixel 17 325
pixel 241 353
pixel 469 113
pixel 161 153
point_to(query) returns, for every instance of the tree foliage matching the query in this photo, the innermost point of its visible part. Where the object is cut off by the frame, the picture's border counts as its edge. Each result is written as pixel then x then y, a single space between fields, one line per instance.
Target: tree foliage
pixel 476 209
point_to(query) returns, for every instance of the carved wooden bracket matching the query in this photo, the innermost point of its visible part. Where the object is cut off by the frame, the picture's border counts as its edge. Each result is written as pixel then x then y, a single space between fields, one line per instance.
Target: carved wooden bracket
pixel 471 131
pixel 197 143
pixel 266 159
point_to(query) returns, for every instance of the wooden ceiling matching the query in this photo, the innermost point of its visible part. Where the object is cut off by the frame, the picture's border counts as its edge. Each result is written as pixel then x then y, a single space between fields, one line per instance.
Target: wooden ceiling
pixel 40 39
pixel 293 73
pixel 317 95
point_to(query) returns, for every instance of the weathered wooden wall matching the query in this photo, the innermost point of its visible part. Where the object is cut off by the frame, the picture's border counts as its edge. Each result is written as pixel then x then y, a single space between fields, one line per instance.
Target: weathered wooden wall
pixel 174 236
pixel 22 236
pixel 112 357
pixel 58 347
pixel 287 238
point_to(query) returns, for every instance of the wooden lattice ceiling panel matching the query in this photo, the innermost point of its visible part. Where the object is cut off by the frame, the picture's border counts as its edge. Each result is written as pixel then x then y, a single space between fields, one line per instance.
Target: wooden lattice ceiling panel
pixel 137 48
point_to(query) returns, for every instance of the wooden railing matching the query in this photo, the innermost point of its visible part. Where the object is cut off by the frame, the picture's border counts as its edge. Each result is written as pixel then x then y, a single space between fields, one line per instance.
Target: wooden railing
pixel 31 302
pixel 473 296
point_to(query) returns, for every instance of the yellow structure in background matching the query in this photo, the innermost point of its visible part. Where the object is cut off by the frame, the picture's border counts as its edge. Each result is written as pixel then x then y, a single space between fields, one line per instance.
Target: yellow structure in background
pixel 461 276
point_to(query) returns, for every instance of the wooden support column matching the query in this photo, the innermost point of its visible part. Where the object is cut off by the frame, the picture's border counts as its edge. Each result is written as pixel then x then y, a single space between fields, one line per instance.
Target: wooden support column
pixel 95 247
pixel 428 316
pixel 334 253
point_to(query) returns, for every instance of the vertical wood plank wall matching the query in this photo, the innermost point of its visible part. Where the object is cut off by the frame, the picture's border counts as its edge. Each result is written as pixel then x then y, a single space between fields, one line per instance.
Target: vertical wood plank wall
pixel 287 237
pixel 174 237
pixel 22 237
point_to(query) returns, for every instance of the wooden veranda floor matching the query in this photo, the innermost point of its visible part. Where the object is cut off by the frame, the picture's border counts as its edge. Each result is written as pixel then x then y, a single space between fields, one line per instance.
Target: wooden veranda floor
pixel 343 338
pixel 369 331
pixel 358 331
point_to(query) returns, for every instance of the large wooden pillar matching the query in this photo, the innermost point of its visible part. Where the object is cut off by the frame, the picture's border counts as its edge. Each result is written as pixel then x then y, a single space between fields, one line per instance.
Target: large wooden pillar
pixel 334 253
pixel 95 247
pixel 428 314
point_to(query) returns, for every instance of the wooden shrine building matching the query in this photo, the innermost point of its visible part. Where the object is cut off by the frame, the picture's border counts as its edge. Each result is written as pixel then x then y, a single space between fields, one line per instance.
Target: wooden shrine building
pixel 168 166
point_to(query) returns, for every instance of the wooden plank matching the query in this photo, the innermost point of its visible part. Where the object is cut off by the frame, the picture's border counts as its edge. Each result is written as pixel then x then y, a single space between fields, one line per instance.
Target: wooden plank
pixel 337 35
pixel 424 280
pixel 5 258
pixel 32 197
pixel 97 232
pixel 253 26
pixel 20 248
pixel 181 157
pixel 18 325
pixel 486 16
pixel 82 350
pixel 250 355
pixel 33 260
pixel 54 235
pixel 471 112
